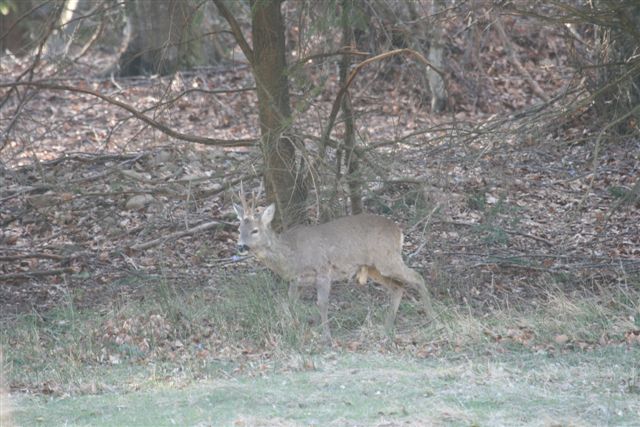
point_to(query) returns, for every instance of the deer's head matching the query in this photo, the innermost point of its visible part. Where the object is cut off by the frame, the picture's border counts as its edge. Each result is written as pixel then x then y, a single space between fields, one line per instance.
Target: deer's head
pixel 255 229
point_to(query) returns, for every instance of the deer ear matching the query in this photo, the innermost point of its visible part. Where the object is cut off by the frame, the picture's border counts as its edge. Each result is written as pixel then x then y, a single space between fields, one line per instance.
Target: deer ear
pixel 239 211
pixel 267 215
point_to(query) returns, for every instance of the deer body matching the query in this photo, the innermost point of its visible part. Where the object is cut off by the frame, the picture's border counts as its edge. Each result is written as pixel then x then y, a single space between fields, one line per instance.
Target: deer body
pixel 365 246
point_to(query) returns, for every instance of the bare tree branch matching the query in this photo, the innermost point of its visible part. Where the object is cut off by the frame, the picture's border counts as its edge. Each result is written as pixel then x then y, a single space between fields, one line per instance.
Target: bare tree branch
pixel 338 101
pixel 162 128
pixel 235 29
pixel 535 87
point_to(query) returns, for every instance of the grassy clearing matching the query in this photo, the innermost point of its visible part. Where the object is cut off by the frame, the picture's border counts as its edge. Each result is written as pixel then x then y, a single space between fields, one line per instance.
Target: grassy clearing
pixel 237 352
pixel 577 388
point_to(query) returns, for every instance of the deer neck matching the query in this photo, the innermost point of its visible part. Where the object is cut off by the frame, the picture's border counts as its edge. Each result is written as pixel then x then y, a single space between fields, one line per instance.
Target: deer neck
pixel 278 257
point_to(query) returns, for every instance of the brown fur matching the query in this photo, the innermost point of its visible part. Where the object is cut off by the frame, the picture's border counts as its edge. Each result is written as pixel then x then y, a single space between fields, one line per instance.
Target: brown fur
pixel 367 246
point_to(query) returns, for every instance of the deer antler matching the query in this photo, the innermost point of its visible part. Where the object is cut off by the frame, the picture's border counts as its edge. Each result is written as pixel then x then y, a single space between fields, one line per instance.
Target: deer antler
pixel 243 201
pixel 257 195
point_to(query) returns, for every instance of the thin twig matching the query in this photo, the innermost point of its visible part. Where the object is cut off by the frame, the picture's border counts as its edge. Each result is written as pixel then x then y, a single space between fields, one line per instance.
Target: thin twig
pixel 148 120
pixel 176 235
pixel 36 273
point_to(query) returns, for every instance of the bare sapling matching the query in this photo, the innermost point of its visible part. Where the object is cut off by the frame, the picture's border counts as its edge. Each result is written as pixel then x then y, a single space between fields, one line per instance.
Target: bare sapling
pixel 364 246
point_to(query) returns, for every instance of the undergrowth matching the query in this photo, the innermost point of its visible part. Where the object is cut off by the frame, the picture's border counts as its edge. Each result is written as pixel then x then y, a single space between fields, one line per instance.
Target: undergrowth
pixel 241 322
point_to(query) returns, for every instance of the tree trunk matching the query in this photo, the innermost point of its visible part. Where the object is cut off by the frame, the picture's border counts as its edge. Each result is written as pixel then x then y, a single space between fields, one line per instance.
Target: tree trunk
pixel 60 41
pixel 351 161
pixel 27 24
pixel 430 33
pixel 436 57
pixel 164 37
pixel 14 31
pixel 270 71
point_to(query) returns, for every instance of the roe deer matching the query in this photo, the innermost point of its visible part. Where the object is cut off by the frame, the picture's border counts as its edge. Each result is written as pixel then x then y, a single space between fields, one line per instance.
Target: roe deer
pixel 367 246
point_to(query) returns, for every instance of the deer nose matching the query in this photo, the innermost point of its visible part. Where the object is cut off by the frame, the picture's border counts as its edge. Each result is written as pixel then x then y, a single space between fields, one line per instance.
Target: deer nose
pixel 243 249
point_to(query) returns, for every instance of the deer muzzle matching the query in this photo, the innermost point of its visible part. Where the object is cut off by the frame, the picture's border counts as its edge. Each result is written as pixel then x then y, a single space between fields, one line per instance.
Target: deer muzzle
pixel 242 249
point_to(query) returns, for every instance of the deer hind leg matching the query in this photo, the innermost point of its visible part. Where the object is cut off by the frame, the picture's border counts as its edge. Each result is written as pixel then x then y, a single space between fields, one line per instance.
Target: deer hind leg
pixel 399 272
pixel 415 280
pixel 395 296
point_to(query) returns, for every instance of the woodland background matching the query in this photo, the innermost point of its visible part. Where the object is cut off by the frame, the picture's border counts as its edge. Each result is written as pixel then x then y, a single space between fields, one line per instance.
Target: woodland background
pixel 503 136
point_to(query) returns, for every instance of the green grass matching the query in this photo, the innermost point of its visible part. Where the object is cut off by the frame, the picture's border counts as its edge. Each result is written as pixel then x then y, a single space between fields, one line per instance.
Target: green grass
pixel 576 388
pixel 237 353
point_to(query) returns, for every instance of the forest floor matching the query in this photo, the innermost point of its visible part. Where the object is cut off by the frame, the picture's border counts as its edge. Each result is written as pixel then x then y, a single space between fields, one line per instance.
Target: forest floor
pixel 121 300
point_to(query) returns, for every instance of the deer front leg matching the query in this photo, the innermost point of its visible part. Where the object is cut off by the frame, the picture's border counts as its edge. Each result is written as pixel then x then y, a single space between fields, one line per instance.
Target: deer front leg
pixel 294 292
pixel 323 286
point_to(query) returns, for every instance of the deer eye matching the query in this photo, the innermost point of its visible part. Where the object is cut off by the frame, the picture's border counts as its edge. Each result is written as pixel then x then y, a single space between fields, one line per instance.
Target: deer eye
pixel 254 231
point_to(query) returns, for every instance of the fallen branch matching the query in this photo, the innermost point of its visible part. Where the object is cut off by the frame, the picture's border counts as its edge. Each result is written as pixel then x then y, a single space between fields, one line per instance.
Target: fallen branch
pixel 32 255
pixel 176 235
pixel 36 273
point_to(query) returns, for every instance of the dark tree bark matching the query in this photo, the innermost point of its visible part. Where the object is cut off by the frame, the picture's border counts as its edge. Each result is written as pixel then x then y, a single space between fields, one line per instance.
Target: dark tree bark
pixel 436 57
pixel 27 24
pixel 351 160
pixel 165 37
pixel 270 71
pixel 156 29
pixel 14 31
pixel 284 178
